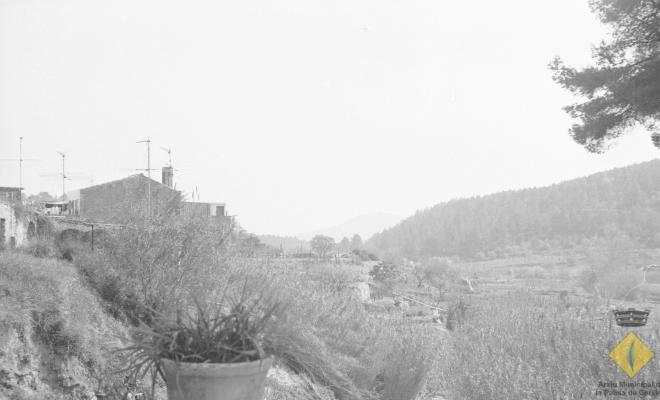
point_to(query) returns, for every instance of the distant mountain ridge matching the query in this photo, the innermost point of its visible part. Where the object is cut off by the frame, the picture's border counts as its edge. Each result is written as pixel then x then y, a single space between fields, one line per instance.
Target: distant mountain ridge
pixel 364 225
pixel 625 199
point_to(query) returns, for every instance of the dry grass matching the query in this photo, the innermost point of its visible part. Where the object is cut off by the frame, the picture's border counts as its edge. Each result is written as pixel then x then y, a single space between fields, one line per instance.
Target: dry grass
pixel 521 346
pixel 45 298
pixel 618 284
pixel 324 334
pixel 46 293
pixel 330 337
pixel 155 265
pixel 40 247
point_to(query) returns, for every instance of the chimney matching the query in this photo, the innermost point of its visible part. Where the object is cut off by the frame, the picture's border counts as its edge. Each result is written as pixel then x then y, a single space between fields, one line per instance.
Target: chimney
pixel 168 177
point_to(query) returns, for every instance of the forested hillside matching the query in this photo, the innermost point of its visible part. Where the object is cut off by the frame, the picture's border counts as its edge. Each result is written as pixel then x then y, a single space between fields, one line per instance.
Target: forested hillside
pixel 286 243
pixel 620 201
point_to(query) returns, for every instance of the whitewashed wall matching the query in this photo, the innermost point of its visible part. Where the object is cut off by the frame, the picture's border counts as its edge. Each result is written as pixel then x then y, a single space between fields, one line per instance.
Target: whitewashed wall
pixel 14 227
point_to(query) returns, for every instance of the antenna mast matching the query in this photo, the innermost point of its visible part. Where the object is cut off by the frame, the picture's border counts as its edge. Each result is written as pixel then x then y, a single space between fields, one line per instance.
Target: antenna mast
pixel 148 142
pixel 63 174
pixel 169 154
pixel 20 160
pixel 20 164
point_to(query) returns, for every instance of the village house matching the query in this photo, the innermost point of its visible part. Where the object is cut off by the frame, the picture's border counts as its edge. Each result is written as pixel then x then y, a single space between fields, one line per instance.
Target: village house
pixel 115 201
pixel 214 211
pixel 210 210
pixel 10 194
pixel 17 224
pixel 13 230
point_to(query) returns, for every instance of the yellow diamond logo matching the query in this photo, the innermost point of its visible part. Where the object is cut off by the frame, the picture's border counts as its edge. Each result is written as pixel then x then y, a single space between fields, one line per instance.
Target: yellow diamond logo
pixel 631 354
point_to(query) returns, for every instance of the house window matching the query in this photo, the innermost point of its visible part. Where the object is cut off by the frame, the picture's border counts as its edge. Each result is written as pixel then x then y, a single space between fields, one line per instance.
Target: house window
pixel 219 211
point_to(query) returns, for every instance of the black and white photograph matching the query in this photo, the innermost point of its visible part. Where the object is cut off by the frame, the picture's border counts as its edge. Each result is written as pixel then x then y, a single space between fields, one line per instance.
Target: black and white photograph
pixel 329 200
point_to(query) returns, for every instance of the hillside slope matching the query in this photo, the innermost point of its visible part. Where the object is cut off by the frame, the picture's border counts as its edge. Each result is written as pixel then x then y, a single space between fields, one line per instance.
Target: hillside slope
pixel 624 200
pixel 55 339
pixel 286 243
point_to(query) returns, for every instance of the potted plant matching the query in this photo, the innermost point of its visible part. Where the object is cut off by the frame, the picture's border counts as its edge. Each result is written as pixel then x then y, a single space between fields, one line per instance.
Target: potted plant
pixel 209 352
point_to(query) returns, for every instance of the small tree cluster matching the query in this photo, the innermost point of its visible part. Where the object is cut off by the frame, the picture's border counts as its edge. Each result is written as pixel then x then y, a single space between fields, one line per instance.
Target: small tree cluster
pixel 384 272
pixel 438 274
pixel 322 245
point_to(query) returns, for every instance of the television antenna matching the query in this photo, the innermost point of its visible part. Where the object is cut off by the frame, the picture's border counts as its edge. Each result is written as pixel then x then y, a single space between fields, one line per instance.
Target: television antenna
pixel 64 177
pixel 62 174
pixel 148 169
pixel 169 154
pixel 148 142
pixel 20 160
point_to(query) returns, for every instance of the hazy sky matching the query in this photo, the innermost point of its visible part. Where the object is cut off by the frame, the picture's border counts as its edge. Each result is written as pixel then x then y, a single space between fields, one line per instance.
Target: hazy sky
pixel 298 114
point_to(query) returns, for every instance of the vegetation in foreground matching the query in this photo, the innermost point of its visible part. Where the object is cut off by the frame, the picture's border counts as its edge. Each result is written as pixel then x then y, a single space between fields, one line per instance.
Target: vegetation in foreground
pixel 55 339
pixel 522 346
pixel 323 333
pixel 516 345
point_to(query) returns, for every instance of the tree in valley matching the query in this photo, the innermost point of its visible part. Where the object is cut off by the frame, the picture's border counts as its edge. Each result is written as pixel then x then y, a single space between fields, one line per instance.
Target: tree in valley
pixel 344 246
pixel 622 88
pixel 356 242
pixel 438 273
pixel 610 264
pixel 385 273
pixel 40 197
pixel 322 245
pixel 250 245
pixel 419 272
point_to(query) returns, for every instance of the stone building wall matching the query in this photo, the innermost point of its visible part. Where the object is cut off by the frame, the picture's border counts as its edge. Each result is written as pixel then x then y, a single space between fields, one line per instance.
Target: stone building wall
pixel 13 227
pixel 117 201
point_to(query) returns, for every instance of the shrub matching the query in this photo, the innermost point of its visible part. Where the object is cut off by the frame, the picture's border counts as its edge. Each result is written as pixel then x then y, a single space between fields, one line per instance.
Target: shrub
pixel 331 278
pixel 284 385
pixel 384 272
pixel 40 247
pixel 118 298
pixel 618 284
pixel 155 264
pixel 334 341
pixel 364 255
pixel 404 369
pixel 53 330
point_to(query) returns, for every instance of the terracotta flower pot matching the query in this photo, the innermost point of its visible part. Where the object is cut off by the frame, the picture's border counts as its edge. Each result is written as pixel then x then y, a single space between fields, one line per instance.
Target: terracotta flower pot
pixel 204 381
